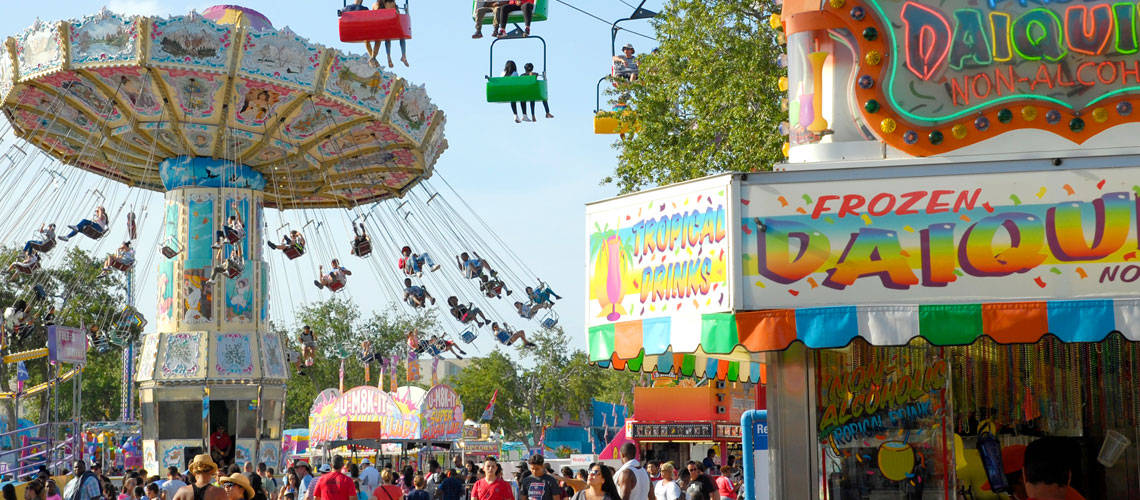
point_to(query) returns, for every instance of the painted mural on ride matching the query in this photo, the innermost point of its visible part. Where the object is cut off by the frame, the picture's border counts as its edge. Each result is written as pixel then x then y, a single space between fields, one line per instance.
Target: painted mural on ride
pixel 408 414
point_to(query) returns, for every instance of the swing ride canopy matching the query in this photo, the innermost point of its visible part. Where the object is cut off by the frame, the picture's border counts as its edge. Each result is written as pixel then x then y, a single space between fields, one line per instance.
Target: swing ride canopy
pixel 118 95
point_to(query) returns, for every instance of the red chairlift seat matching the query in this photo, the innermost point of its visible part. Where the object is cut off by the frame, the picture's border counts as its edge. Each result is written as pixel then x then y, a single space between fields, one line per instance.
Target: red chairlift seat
pixel 293 251
pixel 233 271
pixel 375 25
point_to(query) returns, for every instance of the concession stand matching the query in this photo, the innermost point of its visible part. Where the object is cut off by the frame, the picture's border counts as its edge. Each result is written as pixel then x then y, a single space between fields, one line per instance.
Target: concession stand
pixel 943 271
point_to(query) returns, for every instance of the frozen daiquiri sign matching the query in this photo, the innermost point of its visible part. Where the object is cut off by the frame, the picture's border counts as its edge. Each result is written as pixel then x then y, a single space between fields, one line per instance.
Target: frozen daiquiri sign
pixel 931 77
pixel 660 253
pixel 1068 234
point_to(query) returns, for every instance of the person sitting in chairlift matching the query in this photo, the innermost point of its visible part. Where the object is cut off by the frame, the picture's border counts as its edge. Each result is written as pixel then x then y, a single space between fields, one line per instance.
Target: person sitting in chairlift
pixel 484 7
pixel 493 287
pixel 360 240
pixel 507 336
pixel 29 263
pixel 98 226
pixel 233 230
pixel 390 4
pixel 541 294
pixel 466 313
pixel 17 322
pixel 416 296
pixel 473 267
pixel 441 344
pixel 528 70
pixel 527 310
pixel 625 65
pixel 527 8
pixel 336 276
pixel 308 345
pixel 124 257
pixel 413 263
pixel 47 242
pixel 235 264
pixel 294 239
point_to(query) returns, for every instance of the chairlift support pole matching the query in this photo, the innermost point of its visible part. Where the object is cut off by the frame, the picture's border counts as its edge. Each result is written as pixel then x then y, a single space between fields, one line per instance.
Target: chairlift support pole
pixel 514 36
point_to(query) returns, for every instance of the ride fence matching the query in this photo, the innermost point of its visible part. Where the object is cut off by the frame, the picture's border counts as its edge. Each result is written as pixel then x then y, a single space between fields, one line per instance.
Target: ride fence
pixel 51 444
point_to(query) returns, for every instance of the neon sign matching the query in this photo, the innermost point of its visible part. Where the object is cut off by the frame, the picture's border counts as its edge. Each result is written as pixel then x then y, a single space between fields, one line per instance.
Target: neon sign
pixel 955 59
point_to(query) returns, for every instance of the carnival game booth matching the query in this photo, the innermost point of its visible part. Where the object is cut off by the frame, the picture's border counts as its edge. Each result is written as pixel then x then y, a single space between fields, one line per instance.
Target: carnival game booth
pixel 369 420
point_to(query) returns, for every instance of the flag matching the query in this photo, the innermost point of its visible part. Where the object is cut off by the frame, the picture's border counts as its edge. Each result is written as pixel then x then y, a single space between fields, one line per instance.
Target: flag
pixel 21 376
pixel 490 411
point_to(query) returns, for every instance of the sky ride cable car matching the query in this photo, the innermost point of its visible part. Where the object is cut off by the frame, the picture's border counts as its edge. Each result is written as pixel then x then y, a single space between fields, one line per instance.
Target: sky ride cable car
pixel 530 88
pixel 541 13
pixel 617 120
pixel 375 25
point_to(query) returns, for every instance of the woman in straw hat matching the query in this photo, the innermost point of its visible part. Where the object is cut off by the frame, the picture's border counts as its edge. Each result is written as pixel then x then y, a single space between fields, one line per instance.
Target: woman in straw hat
pixel 203 469
pixel 237 487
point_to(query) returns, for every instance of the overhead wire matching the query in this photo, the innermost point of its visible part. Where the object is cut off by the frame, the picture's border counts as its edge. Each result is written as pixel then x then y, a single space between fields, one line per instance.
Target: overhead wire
pixel 587 13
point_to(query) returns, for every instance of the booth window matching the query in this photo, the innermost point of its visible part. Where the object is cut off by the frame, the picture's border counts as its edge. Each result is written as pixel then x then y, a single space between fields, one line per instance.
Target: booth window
pixel 246 419
pixel 270 419
pixel 180 419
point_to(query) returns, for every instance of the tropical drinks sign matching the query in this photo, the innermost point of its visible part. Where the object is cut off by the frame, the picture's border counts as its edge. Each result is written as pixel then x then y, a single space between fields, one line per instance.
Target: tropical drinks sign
pixel 1066 234
pixel 661 253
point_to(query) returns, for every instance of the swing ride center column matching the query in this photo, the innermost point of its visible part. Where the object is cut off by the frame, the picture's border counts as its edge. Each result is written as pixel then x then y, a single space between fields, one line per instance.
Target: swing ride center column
pixel 220 366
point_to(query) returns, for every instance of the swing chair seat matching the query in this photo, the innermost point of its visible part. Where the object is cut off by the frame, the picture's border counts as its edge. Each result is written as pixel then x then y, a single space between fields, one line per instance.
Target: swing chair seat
pixel 516 89
pixel 362 248
pixel 335 286
pixel 122 266
pixel 541 13
pixel 468 336
pixel 294 251
pixel 169 252
pixel 232 236
pixel 614 122
pixel 92 233
pixel 101 344
pixel 374 25
pixel 45 247
pixel 22 269
pixel 550 320
pixel 234 271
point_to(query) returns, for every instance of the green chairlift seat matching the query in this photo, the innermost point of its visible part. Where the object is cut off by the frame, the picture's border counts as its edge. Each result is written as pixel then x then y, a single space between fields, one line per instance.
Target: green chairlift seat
pixel 516 88
pixel 541 13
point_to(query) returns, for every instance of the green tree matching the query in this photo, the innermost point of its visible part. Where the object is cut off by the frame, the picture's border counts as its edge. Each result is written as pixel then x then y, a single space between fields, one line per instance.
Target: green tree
pixel 707 100
pixel 82 300
pixel 550 381
pixel 340 330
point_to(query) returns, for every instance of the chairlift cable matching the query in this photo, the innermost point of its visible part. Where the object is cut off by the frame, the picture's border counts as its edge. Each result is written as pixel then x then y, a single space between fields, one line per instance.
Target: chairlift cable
pixel 608 23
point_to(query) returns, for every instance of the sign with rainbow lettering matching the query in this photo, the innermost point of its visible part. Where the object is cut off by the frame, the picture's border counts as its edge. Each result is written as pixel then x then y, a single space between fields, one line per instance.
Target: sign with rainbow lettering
pixel 1064 234
pixel 663 252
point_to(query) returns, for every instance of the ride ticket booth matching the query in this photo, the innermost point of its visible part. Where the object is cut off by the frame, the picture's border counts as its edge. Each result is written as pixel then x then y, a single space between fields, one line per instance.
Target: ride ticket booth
pixel 945 272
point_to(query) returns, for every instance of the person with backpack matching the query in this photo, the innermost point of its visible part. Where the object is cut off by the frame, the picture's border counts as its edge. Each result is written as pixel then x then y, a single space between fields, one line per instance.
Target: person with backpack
pixel 84 485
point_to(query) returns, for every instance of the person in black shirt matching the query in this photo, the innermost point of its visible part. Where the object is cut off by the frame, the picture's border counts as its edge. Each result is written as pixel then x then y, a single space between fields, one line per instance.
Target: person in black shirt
pixel 452 487
pixel 700 486
pixel 539 485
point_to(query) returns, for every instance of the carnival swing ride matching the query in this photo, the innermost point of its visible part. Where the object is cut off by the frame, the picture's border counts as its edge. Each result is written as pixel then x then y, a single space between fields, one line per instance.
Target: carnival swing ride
pixel 227 116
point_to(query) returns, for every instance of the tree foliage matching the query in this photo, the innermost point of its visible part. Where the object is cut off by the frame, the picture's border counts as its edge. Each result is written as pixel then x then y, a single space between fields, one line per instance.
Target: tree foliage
pixel 547 384
pixel 707 100
pixel 339 329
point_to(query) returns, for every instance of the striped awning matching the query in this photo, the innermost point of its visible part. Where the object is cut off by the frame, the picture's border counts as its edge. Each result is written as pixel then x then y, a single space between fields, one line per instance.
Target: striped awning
pixel 722 345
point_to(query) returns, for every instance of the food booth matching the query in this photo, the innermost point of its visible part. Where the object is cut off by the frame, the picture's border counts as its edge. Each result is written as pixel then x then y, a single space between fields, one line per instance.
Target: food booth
pixel 942 272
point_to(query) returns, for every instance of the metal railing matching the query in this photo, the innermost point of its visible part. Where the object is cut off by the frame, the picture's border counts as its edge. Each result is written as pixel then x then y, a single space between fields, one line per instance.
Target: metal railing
pixel 51 444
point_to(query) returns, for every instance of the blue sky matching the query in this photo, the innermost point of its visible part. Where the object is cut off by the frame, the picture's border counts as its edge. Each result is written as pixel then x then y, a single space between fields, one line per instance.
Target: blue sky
pixel 529 181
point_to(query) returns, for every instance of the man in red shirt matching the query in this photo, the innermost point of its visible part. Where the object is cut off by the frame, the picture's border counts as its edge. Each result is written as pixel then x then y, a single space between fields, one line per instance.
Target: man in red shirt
pixel 221 445
pixel 335 485
pixel 492 486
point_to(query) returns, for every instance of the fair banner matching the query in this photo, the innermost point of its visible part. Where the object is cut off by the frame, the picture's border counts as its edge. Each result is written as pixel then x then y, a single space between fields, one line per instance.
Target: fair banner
pixel 1064 234
pixel 660 253
pixel 441 415
pixel 67 345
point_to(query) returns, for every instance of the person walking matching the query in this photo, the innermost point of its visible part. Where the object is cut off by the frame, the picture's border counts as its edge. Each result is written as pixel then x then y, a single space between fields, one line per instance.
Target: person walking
pixel 492 486
pixel 667 488
pixel 84 485
pixel 204 470
pixel 335 484
pixel 631 479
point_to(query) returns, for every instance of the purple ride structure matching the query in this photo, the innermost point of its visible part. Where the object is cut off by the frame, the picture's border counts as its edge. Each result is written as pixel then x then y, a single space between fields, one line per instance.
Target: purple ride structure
pixel 225 115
